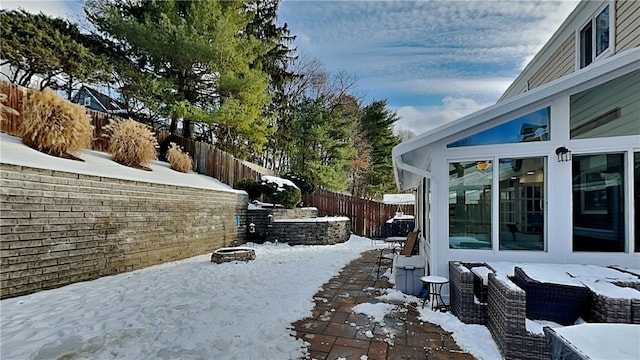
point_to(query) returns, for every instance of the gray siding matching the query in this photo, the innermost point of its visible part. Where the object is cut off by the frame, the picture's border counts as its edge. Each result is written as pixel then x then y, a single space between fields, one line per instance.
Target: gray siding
pixel 627 25
pixel 622 93
pixel 562 58
pixel 561 63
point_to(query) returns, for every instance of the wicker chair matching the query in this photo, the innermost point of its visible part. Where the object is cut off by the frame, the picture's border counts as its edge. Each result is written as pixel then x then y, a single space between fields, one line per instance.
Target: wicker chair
pixel 506 320
pixel 465 301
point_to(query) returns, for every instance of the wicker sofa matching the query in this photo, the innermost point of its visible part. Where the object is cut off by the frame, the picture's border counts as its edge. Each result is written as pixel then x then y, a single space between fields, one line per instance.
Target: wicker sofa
pixel 512 297
pixel 559 303
pixel 614 302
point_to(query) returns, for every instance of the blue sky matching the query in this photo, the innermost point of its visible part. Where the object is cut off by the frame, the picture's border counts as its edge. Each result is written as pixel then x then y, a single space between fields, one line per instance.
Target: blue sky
pixel 433 61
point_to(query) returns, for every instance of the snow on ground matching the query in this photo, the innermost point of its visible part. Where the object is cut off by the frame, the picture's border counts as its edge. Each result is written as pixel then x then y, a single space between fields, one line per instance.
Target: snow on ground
pixel 474 339
pixel 194 309
pixel 189 309
pixel 96 163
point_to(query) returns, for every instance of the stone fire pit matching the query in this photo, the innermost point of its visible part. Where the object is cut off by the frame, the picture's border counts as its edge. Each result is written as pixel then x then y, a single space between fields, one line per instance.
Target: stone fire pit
pixel 233 254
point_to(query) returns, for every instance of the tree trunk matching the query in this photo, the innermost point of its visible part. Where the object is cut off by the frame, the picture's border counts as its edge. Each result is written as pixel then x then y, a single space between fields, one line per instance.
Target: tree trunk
pixel 186 129
pixel 70 87
pixel 174 124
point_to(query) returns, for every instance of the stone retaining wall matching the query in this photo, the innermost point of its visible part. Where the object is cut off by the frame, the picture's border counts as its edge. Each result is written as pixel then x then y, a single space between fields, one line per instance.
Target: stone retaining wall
pixel 58 228
pixel 319 231
pixel 297 213
pixel 261 230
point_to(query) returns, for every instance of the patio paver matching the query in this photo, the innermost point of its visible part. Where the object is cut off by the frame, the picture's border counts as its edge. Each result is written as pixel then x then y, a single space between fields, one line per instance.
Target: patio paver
pixel 334 331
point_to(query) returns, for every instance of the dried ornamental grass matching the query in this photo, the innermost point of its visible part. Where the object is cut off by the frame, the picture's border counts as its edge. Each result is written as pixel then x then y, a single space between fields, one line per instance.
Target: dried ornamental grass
pixel 4 109
pixel 178 160
pixel 131 143
pixel 54 125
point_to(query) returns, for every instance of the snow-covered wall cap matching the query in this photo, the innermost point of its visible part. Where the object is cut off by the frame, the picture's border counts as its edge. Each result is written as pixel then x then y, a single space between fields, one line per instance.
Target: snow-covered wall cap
pixel 280 182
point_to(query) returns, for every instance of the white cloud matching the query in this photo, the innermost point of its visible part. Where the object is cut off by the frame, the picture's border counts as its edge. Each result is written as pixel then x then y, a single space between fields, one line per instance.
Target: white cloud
pixel 489 87
pixel 395 41
pixel 66 9
pixel 420 119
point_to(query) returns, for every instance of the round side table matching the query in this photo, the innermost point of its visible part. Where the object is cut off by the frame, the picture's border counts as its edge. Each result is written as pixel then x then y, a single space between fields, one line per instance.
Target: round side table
pixel 434 284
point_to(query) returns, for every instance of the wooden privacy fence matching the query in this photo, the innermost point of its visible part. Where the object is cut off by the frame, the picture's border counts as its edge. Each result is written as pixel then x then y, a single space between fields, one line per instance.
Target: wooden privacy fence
pixel 208 160
pixel 367 216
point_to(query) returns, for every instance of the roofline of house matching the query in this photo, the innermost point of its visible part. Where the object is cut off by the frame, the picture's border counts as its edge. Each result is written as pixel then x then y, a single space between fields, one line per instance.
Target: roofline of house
pixel 92 92
pixel 624 62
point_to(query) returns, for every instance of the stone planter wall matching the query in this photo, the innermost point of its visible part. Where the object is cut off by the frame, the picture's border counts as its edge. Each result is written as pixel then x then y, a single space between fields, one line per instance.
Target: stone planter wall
pixel 58 228
pixel 317 231
pixel 297 213
pixel 262 228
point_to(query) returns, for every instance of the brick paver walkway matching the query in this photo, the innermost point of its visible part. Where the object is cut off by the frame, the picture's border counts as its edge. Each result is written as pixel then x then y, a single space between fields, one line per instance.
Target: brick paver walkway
pixel 335 332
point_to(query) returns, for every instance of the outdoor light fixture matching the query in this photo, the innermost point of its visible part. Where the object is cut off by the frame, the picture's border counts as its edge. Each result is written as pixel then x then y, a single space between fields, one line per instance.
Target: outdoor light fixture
pixel 563 154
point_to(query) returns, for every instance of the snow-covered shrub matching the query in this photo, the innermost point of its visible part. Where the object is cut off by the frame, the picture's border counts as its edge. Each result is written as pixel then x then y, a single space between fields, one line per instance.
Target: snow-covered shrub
pixel 54 125
pixel 281 191
pixel 179 161
pixel 251 186
pixel 131 143
pixel 304 183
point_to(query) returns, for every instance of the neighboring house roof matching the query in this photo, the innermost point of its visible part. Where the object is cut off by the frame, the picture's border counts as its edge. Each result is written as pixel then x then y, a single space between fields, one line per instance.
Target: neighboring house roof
pixel 108 104
pixel 412 157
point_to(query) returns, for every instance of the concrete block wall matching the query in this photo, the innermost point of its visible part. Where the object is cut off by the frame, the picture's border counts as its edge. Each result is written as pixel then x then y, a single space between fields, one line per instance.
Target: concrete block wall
pixel 320 231
pixel 58 228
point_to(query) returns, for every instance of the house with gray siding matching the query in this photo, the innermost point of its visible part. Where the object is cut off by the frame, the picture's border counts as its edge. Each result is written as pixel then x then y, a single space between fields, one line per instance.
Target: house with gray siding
pixel 551 172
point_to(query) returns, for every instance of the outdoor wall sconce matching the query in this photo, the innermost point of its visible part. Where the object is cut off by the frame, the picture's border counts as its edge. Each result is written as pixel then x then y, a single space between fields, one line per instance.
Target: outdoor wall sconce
pixel 252 228
pixel 563 154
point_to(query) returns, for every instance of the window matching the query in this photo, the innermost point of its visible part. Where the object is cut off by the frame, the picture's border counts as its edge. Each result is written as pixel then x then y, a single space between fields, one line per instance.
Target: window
pixel 87 101
pixel 470 204
pixel 527 128
pixel 598 203
pixel 522 204
pixel 594 38
pixel 609 109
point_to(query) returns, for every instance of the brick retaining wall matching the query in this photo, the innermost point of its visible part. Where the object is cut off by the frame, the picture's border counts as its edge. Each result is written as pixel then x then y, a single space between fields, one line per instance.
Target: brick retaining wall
pixel 58 228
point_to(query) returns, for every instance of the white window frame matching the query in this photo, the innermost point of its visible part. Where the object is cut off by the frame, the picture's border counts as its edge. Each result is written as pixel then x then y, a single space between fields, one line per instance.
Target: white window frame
pixel 612 34
pixel 87 101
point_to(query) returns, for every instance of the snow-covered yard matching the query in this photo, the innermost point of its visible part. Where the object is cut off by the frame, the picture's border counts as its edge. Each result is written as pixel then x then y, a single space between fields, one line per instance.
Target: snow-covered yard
pixel 186 309
pixel 194 309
